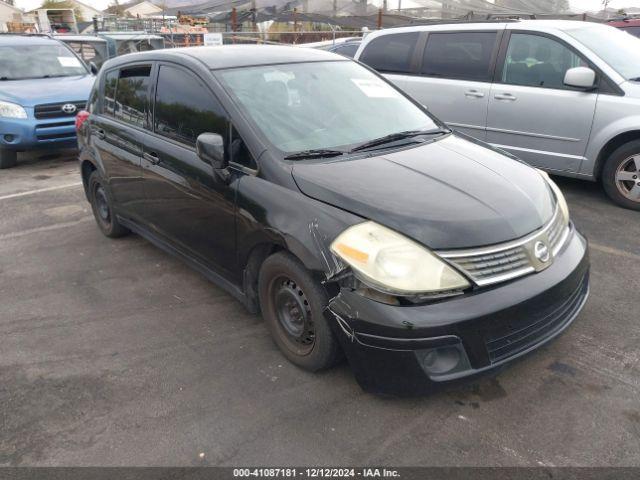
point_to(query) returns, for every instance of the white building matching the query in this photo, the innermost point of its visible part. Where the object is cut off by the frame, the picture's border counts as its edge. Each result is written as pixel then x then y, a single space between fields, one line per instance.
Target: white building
pixel 87 12
pixel 143 9
pixel 8 13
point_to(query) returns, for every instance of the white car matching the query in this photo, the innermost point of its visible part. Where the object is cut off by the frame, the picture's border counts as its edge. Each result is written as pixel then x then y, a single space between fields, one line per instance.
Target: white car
pixel 561 95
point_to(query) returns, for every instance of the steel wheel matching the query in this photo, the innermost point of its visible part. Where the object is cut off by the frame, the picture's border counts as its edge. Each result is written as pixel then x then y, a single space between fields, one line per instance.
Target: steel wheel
pixel 102 208
pixel 628 178
pixel 294 314
pixel 102 205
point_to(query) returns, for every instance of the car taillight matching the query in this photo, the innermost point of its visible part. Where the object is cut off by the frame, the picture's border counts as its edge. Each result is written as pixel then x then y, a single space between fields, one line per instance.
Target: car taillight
pixel 81 117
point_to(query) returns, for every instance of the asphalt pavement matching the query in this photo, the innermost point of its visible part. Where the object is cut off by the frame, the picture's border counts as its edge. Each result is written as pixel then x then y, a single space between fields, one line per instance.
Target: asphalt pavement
pixel 114 353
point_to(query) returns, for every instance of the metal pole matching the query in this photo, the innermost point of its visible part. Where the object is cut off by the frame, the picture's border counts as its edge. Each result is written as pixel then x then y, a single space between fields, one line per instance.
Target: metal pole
pixel 379 19
pixel 234 19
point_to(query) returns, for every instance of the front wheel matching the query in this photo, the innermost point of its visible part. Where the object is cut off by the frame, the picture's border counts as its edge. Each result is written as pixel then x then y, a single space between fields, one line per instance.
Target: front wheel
pixel 621 175
pixel 292 304
pixel 8 158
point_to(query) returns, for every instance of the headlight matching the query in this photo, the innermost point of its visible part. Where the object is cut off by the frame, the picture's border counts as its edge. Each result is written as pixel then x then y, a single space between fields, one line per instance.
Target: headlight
pixel 393 263
pixel 11 110
pixel 562 202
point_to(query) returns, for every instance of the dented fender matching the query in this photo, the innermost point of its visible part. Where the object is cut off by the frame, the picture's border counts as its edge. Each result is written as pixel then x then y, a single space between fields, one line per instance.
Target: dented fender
pixel 268 213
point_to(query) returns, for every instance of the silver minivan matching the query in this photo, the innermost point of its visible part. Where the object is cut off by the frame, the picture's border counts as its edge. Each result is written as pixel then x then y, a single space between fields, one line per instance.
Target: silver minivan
pixel 561 95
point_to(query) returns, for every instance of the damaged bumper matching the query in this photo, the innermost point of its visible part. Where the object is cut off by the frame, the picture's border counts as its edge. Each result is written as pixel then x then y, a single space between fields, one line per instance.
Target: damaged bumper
pixel 410 350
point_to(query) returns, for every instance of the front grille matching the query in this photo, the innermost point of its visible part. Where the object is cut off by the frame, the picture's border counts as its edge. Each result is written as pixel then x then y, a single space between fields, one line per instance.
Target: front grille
pixel 526 332
pixel 56 136
pixel 54 110
pixel 66 123
pixel 489 265
pixel 485 268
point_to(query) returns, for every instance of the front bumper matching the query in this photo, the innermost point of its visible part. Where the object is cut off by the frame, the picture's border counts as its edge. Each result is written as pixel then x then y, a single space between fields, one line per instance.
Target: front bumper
pixel 408 350
pixel 30 133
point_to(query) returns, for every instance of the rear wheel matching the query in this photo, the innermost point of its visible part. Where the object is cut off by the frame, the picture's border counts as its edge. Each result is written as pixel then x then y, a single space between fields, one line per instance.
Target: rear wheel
pixel 621 175
pixel 292 304
pixel 8 158
pixel 102 208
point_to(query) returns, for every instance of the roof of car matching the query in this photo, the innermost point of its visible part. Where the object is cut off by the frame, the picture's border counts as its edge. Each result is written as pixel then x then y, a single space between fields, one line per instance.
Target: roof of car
pixel 540 25
pixel 79 38
pixel 8 39
pixel 233 56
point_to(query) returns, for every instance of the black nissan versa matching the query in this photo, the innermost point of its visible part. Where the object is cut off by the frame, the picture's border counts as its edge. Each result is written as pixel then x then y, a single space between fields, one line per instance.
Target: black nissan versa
pixel 317 193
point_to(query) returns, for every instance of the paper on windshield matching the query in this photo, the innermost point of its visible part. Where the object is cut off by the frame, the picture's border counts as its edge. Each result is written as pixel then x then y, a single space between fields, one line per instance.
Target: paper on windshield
pixel 69 61
pixel 375 88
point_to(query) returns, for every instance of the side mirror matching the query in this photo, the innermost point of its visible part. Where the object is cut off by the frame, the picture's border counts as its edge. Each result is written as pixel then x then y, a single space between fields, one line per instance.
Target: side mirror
pixel 94 68
pixel 210 148
pixel 580 77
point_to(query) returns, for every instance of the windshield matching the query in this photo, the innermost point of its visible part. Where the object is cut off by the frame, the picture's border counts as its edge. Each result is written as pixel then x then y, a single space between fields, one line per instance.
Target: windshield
pixel 18 62
pixel 321 105
pixel 619 49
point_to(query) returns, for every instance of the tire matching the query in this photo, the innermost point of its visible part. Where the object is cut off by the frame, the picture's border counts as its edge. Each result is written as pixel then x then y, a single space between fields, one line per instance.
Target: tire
pixel 292 304
pixel 8 158
pixel 102 207
pixel 621 175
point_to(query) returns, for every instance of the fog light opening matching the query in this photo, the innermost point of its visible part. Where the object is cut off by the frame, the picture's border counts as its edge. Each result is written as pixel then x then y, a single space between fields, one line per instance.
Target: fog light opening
pixel 442 361
pixel 8 138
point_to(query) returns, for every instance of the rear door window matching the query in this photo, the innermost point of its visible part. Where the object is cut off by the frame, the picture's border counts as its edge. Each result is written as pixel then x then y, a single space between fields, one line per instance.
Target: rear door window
pixel 391 53
pixel 131 95
pixel 460 55
pixel 110 85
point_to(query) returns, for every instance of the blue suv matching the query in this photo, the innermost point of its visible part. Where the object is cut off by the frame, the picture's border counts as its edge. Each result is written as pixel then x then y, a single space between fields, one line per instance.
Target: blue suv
pixel 43 84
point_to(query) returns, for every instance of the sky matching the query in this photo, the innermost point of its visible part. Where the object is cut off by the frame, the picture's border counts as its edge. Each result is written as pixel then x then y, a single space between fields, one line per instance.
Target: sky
pixel 576 5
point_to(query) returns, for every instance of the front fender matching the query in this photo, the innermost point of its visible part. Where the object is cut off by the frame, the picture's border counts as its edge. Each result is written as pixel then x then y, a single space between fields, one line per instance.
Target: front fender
pixel 268 213
pixel 608 124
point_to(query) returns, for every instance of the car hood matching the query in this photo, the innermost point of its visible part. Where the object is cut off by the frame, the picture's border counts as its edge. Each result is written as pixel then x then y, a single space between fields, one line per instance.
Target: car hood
pixel 29 93
pixel 447 194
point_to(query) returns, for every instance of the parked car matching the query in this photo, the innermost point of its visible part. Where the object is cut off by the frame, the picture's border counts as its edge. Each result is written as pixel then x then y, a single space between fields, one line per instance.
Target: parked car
pixel 346 48
pixel 96 49
pixel 423 255
pixel 90 48
pixel 629 25
pixel 43 84
pixel 562 95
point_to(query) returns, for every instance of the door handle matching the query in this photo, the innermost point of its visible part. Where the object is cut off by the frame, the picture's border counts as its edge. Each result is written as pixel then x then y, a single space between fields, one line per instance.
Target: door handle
pixel 473 93
pixel 151 157
pixel 505 96
pixel 98 132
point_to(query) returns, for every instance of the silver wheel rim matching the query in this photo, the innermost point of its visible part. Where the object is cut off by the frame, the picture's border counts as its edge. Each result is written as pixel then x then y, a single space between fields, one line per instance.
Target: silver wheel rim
pixel 628 178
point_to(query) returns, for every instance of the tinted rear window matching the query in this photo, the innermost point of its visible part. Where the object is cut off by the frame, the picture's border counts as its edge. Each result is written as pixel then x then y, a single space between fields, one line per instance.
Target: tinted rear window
pixel 110 84
pixel 131 95
pixel 391 53
pixel 463 55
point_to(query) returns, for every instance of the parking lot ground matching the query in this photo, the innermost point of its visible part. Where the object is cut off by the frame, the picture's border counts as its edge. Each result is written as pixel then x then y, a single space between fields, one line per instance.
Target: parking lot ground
pixel 114 353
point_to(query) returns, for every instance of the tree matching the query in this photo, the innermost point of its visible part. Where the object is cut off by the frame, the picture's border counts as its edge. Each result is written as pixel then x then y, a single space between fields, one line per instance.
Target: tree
pixel 53 4
pixel 116 8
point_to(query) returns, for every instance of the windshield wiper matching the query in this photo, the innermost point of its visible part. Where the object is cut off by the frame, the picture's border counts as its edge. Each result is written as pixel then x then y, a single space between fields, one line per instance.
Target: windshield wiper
pixel 315 153
pixel 636 79
pixel 394 137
